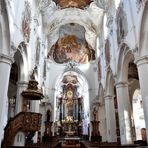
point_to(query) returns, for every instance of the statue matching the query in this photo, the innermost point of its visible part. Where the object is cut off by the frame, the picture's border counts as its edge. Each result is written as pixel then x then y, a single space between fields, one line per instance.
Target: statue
pixel 95 114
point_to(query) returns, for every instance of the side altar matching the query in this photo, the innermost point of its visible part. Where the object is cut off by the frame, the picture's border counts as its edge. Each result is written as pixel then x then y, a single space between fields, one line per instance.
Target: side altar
pixel 95 134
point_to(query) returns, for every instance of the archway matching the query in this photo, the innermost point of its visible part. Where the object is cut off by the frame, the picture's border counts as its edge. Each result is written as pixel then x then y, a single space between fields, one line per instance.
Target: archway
pixel 17 82
pixel 19 139
pixel 12 90
pixel 72 104
pixel 137 116
pixel 123 97
pixel 18 78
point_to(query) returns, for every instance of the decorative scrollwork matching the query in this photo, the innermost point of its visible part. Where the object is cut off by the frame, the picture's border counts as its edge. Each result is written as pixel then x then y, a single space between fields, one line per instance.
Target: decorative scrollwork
pixel 122 29
pixel 26 22
pixel 107 52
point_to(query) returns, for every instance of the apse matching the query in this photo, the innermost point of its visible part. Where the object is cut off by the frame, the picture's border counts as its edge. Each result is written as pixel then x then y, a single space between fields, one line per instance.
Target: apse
pixel 72 102
pixel 71 46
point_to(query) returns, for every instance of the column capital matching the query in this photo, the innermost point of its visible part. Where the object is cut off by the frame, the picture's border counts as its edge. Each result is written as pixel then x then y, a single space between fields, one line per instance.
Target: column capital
pixel 6 59
pixel 141 60
pixel 108 97
pixel 121 84
pixel 22 83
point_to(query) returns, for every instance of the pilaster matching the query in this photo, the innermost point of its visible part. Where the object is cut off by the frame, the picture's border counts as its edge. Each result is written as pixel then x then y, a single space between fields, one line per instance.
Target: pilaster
pixel 124 109
pixel 110 119
pixel 5 66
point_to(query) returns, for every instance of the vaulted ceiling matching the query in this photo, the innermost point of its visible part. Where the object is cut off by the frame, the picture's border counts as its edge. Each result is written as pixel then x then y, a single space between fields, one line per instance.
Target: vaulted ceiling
pixel 76 19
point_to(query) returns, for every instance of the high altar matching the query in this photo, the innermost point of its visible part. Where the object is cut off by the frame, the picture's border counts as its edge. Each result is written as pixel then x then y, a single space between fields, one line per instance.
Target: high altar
pixel 70 112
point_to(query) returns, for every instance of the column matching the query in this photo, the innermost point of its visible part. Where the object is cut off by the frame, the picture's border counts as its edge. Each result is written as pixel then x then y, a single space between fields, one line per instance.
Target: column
pixel 5 66
pixel 21 86
pixel 142 64
pixel 34 106
pixel 110 119
pixel 124 109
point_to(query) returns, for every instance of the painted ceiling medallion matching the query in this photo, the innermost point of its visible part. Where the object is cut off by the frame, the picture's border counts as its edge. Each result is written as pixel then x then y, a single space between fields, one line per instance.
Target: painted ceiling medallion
pixel 73 3
pixel 68 49
pixel 71 46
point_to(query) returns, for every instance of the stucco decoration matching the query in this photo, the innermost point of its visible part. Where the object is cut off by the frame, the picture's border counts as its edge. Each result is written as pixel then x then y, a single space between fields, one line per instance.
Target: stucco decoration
pixel 99 70
pixel 26 22
pixel 70 79
pixel 103 4
pixel 2 6
pixel 71 45
pixel 122 29
pixel 73 3
pixel 139 4
pixel 44 70
pixel 37 58
pixel 107 52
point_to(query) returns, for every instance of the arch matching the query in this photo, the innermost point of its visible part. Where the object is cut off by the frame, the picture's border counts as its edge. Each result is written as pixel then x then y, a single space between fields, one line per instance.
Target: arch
pixel 138 114
pixel 76 70
pixel 124 58
pixel 74 17
pixel 4 30
pixel 78 84
pixel 54 24
pixel 101 94
pixel 143 41
pixel 19 139
pixel 21 58
pixel 109 85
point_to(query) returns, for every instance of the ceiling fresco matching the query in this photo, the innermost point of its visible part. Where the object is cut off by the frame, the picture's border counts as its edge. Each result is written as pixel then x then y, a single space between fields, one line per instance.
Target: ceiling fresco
pixel 71 46
pixel 73 3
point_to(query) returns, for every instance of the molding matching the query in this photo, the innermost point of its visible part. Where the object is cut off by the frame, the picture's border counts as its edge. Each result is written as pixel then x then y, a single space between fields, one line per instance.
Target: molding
pixel 22 83
pixel 108 97
pixel 6 59
pixel 141 60
pixel 121 84
pixel 109 21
